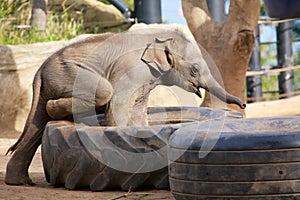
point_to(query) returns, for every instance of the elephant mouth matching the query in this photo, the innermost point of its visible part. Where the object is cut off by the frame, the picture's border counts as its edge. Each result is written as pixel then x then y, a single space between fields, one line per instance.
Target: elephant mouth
pixel 197 90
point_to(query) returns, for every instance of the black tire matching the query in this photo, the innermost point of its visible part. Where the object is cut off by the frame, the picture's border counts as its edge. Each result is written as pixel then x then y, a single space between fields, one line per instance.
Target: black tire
pixel 70 163
pixel 69 154
pixel 252 159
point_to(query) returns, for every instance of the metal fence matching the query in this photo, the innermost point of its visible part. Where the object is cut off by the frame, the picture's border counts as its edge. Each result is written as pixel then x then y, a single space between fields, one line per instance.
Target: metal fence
pixel 285 69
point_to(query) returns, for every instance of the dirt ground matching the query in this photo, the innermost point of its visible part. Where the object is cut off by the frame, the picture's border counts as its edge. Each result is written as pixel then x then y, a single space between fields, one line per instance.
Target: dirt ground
pixel 44 190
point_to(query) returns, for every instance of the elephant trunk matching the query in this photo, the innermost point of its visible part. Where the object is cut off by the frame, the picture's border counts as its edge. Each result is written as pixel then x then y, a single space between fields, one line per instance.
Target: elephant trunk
pixel 215 88
pixel 226 97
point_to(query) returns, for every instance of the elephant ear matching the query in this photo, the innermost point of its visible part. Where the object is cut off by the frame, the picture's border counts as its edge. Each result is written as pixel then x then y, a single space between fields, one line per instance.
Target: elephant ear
pixel 158 56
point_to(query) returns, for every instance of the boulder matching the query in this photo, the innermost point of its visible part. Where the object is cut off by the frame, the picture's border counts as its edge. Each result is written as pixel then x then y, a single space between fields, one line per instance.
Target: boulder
pixel 97 16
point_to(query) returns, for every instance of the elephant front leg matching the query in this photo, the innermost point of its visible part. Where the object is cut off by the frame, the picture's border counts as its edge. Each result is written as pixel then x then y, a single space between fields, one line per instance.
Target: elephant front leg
pixel 129 108
pixel 138 111
pixel 138 104
pixel 123 115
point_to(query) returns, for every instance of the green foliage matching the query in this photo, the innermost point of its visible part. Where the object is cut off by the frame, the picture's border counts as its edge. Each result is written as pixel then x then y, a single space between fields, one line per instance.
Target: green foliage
pixel 14 13
pixel 263 9
pixel 296 28
pixel 297 79
pixel 17 12
pixel 130 3
pixel 270 87
pixel 11 8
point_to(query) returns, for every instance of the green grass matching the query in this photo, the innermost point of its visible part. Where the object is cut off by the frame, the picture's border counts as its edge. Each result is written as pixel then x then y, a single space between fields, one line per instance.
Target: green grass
pixel 17 13
pixel 59 27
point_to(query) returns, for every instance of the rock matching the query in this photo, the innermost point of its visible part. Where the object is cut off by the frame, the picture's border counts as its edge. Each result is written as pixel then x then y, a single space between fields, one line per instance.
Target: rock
pixel 97 16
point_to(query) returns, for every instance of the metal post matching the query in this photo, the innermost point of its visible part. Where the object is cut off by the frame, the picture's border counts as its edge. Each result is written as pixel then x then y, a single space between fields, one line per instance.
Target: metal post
pixel 217 9
pixel 254 83
pixel 285 58
pixel 148 11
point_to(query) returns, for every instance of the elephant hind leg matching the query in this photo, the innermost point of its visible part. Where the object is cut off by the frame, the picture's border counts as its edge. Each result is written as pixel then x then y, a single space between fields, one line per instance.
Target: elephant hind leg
pixel 65 107
pixel 83 101
pixel 24 150
pixel 59 108
pixel 18 165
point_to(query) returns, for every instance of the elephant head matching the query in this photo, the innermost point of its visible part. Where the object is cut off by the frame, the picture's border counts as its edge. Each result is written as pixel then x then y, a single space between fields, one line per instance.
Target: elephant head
pixel 179 61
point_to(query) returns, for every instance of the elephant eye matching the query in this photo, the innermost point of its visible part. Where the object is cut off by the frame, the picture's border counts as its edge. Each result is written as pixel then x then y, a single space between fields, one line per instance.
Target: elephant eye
pixel 194 71
pixel 169 56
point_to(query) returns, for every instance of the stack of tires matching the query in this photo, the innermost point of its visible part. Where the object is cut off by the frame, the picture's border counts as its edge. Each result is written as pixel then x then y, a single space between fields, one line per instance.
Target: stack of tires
pixel 97 157
pixel 199 153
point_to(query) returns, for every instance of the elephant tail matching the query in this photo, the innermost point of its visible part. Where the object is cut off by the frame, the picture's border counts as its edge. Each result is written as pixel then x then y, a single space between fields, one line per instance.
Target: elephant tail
pixel 37 83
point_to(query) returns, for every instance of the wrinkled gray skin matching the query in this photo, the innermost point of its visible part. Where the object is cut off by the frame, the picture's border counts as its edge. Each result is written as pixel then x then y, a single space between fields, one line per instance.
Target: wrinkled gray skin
pixel 114 73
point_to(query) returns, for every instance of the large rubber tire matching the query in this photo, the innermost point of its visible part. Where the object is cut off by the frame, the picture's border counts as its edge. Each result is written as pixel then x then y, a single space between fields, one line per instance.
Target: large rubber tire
pixel 69 159
pixel 69 162
pixel 252 159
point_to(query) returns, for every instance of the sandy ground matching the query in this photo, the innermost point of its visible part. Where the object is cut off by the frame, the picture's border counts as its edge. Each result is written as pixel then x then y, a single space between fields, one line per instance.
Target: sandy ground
pixel 44 190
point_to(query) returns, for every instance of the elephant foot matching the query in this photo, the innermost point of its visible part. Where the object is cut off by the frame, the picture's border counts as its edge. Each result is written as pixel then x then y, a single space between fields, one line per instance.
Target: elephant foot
pixel 17 174
pixel 18 180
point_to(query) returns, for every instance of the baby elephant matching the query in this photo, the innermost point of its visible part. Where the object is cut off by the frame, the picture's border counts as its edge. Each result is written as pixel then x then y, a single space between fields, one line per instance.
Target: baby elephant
pixel 114 74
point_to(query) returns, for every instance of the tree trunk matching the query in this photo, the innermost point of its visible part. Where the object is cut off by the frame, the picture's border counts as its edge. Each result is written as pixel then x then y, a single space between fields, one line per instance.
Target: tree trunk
pixel 38 18
pixel 229 43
